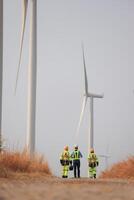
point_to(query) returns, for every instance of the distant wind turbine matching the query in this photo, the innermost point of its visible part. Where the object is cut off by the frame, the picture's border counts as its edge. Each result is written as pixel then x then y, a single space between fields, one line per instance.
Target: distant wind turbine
pixel 32 69
pixel 1 67
pixel 106 157
pixel 86 96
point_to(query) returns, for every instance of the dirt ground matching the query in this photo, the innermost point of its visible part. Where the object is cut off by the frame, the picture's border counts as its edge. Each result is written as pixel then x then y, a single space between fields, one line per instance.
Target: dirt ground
pixel 51 188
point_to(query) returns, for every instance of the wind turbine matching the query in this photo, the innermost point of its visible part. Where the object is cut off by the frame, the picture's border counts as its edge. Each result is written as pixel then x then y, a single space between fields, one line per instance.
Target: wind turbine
pixel 1 68
pixel 32 70
pixel 91 96
pixel 106 157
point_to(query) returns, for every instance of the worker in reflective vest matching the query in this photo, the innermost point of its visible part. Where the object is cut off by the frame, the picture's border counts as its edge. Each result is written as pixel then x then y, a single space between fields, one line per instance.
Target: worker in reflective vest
pixel 65 161
pixel 93 162
pixel 76 155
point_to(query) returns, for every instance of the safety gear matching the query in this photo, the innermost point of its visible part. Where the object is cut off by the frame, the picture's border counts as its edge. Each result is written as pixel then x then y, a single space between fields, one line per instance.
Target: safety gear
pixel 65 171
pixel 65 159
pixel 93 162
pixel 65 156
pixel 61 162
pixel 92 172
pixel 76 155
pixel 71 167
pixel 66 148
pixel 64 162
pixel 76 147
pixel 70 162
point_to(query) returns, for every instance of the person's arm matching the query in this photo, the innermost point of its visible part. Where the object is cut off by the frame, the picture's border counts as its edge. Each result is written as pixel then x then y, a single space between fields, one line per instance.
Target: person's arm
pixel 97 161
pixel 89 158
pixel 80 154
pixel 61 159
pixel 70 159
pixel 72 155
pixel 61 156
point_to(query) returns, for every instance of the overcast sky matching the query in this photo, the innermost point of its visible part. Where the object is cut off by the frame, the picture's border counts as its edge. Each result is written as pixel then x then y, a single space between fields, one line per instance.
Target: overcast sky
pixel 107 29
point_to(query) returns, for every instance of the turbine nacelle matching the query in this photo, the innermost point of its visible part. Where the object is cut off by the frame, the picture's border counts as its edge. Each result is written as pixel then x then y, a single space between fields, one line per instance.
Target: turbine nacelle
pixel 94 95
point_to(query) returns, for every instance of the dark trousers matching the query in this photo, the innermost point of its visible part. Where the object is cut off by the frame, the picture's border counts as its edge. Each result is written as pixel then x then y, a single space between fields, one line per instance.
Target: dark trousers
pixel 76 166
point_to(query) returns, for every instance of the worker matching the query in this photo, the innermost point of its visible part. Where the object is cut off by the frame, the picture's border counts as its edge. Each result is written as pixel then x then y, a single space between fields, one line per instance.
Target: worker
pixel 65 160
pixel 93 162
pixel 76 155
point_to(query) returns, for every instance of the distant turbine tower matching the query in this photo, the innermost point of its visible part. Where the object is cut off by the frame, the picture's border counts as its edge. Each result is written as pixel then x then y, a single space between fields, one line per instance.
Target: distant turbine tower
pixel 32 69
pixel 106 157
pixel 1 67
pixel 86 96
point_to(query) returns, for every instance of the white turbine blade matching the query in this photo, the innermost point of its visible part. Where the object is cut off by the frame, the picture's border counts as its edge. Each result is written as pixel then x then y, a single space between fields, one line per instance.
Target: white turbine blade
pixel 81 115
pixel 85 73
pixel 104 156
pixel 25 5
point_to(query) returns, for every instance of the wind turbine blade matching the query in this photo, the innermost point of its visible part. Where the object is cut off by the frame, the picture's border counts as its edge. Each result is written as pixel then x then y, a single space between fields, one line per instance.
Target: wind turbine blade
pixel 85 72
pixel 104 156
pixel 25 5
pixel 81 115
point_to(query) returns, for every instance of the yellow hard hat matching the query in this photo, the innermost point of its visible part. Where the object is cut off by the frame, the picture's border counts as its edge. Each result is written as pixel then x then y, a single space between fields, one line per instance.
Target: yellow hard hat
pixel 66 148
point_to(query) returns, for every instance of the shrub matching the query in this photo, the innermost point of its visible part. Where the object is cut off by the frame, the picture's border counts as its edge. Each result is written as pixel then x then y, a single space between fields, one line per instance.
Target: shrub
pixel 123 170
pixel 21 162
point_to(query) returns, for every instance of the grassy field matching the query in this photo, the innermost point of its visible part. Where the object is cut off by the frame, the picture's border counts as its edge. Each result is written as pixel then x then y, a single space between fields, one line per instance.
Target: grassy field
pixel 121 170
pixel 14 164
pixel 22 178
pixel 20 163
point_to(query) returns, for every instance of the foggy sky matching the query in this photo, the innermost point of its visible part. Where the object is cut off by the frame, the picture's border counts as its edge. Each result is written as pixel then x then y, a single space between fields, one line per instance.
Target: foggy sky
pixel 106 28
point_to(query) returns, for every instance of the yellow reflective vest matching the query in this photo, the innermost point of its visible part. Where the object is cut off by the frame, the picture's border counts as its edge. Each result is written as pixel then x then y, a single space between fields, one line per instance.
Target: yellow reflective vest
pixel 65 156
pixel 92 158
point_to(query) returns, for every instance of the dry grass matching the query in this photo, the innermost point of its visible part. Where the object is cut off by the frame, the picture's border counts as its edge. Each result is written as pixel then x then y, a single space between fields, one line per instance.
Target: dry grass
pixel 122 170
pixel 16 162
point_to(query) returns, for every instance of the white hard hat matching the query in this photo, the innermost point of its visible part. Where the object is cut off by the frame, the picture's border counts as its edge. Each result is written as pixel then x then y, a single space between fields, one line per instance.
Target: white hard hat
pixel 76 146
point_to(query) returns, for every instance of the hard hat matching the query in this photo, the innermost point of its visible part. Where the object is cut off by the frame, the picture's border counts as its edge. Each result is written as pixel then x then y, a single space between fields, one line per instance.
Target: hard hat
pixel 75 146
pixel 66 148
pixel 91 150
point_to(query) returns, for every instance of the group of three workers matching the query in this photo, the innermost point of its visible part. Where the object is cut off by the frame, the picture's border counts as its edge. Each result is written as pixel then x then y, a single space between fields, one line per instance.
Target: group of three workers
pixel 72 162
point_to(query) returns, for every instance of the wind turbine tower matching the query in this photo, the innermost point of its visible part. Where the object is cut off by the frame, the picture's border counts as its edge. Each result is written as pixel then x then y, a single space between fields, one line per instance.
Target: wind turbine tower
pixel 32 70
pixel 1 67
